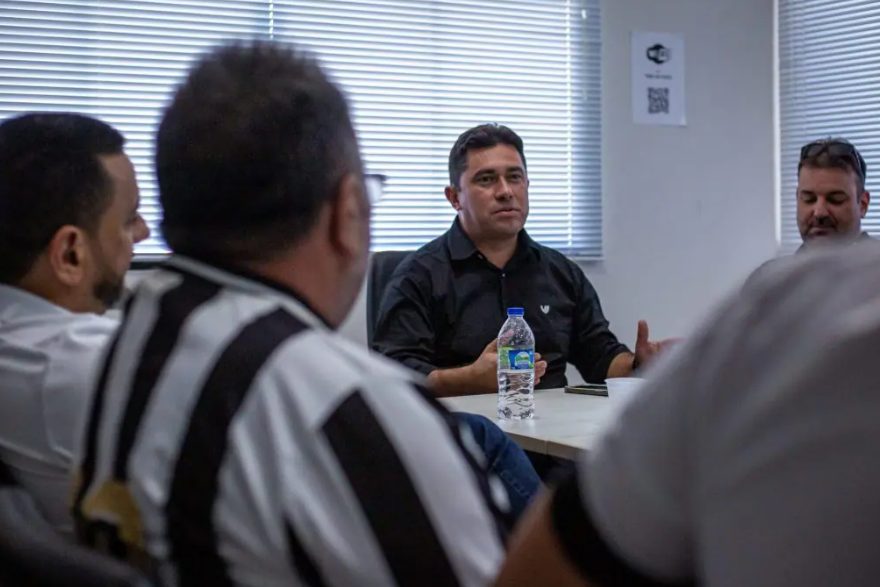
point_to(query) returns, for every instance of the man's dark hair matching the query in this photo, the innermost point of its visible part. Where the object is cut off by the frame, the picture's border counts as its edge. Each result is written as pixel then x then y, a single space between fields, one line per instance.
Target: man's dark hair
pixel 254 143
pixel 50 176
pixel 834 152
pixel 480 137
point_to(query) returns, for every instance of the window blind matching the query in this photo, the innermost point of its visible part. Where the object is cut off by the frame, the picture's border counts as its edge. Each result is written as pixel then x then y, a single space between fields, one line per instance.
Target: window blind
pixel 417 73
pixel 829 56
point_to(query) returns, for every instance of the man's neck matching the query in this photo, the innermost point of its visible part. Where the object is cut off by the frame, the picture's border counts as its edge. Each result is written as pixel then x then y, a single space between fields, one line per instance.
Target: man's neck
pixel 41 286
pixel 316 283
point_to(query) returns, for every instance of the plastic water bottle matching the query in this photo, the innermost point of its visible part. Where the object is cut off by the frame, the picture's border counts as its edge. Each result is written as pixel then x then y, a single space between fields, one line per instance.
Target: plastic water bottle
pixel 516 368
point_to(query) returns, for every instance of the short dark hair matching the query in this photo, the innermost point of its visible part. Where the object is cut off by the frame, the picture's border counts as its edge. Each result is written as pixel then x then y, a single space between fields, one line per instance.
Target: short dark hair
pixel 253 144
pixel 480 137
pixel 50 176
pixel 834 152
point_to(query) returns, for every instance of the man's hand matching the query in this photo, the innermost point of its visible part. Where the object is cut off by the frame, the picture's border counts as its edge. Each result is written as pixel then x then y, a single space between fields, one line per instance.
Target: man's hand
pixel 647 350
pixel 481 376
pixel 540 368
pixel 484 371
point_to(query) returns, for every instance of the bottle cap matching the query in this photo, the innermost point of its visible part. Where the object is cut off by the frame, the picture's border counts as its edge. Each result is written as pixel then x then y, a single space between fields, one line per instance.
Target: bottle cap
pixel 515 311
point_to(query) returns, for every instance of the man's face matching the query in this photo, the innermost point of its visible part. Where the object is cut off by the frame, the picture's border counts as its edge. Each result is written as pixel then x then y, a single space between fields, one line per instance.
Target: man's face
pixel 830 205
pixel 119 228
pixel 493 197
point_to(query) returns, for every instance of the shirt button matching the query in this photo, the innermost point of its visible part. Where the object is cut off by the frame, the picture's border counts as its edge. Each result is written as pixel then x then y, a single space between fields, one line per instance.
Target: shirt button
pixel 504 275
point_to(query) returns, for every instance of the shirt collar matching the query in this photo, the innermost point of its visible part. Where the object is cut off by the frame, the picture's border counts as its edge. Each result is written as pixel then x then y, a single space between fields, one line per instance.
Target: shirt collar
pixel 16 302
pixel 245 280
pixel 462 247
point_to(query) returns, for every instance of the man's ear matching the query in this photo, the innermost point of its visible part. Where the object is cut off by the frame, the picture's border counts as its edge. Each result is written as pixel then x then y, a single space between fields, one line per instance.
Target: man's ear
pixel 67 254
pixel 346 215
pixel 452 196
pixel 864 200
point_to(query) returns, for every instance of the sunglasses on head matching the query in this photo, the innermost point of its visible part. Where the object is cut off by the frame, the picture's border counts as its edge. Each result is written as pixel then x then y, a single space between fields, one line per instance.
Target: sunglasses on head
pixel 837 149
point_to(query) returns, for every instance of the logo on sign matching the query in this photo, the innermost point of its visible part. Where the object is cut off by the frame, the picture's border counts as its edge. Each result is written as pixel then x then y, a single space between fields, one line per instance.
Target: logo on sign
pixel 658 53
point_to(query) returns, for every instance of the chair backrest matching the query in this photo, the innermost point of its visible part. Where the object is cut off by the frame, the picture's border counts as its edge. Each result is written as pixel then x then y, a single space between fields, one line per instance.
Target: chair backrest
pixel 32 553
pixel 382 266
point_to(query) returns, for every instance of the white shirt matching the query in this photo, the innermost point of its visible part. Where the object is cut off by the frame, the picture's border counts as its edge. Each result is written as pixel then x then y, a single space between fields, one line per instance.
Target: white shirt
pixel 752 457
pixel 240 441
pixel 48 357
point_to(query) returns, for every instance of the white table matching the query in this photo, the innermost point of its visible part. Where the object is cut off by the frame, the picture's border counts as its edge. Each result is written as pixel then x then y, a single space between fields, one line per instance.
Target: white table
pixel 564 424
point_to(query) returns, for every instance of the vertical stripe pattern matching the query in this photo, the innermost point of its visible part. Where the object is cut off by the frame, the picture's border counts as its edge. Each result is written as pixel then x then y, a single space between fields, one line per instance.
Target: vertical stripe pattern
pixel 302 561
pixel 387 495
pixel 90 449
pixel 195 480
pixel 175 307
pixel 236 440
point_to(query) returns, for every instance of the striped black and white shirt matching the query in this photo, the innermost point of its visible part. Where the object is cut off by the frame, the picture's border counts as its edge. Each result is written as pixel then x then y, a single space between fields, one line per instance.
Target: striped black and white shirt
pixel 236 440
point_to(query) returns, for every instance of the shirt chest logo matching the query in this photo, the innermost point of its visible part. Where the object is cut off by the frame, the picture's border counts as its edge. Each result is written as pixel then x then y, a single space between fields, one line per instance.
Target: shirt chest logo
pixel 545 309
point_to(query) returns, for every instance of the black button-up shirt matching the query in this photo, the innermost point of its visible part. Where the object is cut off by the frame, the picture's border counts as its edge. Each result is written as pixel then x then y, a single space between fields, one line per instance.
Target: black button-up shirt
pixel 446 302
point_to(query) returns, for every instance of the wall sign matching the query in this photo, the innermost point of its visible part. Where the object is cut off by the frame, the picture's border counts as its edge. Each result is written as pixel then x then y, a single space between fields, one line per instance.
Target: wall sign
pixel 658 78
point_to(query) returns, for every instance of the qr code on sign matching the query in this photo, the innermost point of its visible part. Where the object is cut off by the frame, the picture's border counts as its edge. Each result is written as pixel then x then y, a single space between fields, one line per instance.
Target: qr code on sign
pixel 658 100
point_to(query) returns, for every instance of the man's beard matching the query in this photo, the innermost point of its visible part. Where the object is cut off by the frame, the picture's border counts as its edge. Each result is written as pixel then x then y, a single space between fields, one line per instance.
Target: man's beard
pixel 109 287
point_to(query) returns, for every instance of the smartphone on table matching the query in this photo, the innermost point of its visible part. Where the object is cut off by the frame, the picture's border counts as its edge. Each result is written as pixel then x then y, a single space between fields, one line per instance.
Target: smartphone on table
pixel 588 389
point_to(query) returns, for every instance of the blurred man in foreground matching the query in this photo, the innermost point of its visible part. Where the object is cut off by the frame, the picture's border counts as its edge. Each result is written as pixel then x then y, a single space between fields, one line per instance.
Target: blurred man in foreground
pixel 748 459
pixel 235 438
pixel 68 225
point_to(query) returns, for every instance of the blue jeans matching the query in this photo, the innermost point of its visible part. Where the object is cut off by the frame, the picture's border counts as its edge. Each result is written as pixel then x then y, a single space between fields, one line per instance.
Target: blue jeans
pixel 506 460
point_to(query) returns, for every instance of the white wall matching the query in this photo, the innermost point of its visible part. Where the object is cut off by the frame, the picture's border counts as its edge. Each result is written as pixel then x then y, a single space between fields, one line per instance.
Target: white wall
pixel 689 211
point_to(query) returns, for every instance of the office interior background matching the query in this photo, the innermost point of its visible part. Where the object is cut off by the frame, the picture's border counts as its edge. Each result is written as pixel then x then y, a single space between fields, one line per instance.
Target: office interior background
pixel 665 220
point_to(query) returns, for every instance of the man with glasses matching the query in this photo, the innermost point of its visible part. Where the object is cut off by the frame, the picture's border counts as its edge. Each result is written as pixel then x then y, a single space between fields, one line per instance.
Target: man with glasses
pixel 235 439
pixel 831 195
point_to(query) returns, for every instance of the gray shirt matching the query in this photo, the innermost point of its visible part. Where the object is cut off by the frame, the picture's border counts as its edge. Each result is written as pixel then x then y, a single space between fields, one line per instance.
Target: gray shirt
pixel 750 458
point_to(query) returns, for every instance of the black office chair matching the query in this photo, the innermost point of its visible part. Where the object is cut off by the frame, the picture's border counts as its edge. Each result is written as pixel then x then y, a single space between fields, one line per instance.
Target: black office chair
pixel 32 553
pixel 382 267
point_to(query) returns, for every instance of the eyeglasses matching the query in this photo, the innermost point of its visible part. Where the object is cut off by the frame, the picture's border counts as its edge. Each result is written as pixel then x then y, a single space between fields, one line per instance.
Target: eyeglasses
pixel 375 185
pixel 836 148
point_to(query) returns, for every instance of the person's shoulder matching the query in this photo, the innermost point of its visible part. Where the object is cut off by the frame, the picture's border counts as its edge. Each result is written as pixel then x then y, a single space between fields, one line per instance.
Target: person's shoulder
pixel 819 268
pixel 325 356
pixel 88 325
pixel 435 252
pixel 546 252
pixel 425 262
pixel 310 376
pixel 562 266
pixel 74 333
pixel 555 258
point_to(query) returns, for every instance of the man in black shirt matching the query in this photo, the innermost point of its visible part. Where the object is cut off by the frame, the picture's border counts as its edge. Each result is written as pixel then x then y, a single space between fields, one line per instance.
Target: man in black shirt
pixel 447 301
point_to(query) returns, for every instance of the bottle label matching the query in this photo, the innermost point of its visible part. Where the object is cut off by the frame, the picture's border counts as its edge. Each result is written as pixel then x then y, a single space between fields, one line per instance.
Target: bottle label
pixel 518 359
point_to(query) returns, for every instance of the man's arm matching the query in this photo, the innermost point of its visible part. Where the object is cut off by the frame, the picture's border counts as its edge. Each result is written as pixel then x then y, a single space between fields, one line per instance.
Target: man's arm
pixel 535 556
pixel 481 376
pixel 622 365
pixel 405 329
pixel 595 350
pixel 406 333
